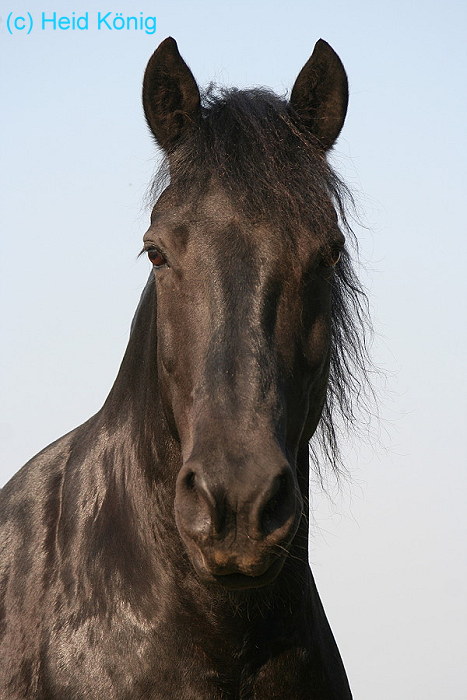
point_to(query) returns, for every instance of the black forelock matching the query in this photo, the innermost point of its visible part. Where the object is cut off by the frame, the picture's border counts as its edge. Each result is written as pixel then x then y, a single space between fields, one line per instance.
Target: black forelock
pixel 256 149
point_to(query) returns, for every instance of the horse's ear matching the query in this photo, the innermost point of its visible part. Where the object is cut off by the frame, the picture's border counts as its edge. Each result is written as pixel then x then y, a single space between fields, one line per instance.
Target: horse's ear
pixel 171 98
pixel 321 94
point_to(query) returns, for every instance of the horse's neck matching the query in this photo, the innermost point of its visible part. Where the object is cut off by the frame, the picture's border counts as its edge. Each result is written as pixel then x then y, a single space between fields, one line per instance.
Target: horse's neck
pixel 134 393
pixel 133 406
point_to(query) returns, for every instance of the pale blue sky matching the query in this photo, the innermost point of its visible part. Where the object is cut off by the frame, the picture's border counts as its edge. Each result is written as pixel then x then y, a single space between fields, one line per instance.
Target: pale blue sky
pixel 389 551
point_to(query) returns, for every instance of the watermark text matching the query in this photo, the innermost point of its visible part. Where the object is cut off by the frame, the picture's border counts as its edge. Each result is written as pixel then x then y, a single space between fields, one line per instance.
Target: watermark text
pixel 26 22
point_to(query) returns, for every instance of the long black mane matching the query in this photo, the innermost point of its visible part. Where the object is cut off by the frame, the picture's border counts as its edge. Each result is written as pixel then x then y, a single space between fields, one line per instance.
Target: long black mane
pixel 275 171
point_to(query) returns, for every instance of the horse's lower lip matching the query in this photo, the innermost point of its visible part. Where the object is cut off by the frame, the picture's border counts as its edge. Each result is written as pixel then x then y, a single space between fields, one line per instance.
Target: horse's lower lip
pixel 239 581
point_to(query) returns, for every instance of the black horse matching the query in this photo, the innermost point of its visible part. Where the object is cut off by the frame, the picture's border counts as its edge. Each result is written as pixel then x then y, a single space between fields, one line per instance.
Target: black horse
pixel 160 549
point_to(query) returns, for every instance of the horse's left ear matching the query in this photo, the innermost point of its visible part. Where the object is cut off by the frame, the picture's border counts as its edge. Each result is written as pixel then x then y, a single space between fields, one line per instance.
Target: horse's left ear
pixel 171 97
pixel 321 94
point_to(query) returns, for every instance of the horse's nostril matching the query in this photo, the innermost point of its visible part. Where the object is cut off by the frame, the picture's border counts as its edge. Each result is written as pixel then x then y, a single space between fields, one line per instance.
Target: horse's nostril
pixel 189 480
pixel 200 505
pixel 278 507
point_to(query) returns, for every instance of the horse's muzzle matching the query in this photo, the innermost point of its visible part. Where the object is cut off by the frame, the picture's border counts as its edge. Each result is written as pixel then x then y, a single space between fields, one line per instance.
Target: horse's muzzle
pixel 237 526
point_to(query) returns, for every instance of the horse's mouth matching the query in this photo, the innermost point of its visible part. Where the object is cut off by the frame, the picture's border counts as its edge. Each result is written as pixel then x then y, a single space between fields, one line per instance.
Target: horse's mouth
pixel 238 581
pixel 241 582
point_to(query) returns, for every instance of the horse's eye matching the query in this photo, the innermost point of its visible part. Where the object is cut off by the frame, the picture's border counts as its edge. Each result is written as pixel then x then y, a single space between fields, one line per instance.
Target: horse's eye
pixel 156 257
pixel 335 257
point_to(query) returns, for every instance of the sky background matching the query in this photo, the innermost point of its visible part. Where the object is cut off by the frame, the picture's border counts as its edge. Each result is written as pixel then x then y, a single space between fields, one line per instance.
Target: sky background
pixel 388 546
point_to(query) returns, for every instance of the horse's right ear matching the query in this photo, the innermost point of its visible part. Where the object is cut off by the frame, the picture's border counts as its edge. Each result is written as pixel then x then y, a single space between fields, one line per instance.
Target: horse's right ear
pixel 171 97
pixel 321 94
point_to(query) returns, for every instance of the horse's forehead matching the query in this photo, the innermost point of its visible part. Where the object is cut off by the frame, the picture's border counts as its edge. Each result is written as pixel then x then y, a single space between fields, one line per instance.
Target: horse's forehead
pixel 213 205
pixel 214 215
pixel 216 205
